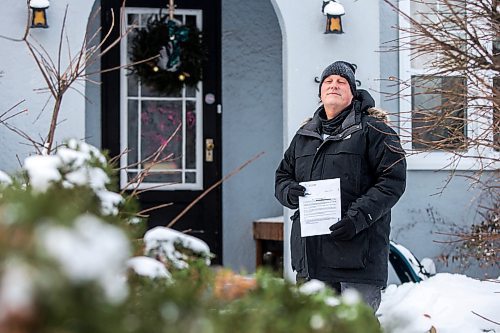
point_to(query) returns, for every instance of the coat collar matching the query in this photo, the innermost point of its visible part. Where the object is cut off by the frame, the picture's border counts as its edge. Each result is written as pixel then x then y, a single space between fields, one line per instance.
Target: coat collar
pixel 352 123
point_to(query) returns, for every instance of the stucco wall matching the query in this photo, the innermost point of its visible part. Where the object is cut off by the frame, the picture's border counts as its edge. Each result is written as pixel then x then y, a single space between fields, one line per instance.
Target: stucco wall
pixel 433 207
pixel 21 78
pixel 93 88
pixel 252 121
pixel 308 51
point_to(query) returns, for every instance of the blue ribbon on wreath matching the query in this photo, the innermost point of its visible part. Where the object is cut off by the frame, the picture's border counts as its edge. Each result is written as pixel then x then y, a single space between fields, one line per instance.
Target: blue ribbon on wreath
pixel 170 54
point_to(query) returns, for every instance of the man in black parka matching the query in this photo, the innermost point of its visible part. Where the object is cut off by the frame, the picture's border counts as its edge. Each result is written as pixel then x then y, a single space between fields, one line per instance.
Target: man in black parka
pixel 343 141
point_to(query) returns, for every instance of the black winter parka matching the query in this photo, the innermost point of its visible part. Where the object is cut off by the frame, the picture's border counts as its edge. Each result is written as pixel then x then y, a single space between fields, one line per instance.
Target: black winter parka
pixel 367 157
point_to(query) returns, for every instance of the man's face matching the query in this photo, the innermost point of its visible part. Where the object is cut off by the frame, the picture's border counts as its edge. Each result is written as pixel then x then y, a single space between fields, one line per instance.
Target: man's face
pixel 336 93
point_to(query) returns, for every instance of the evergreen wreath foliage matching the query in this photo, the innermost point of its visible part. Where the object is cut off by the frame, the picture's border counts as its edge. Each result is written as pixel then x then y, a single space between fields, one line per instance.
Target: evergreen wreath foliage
pixel 148 42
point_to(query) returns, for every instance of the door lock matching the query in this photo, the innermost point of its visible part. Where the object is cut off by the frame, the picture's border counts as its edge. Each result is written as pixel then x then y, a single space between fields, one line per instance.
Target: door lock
pixel 209 150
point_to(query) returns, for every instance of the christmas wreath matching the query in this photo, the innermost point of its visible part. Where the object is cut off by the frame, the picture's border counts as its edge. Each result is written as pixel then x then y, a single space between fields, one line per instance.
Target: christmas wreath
pixel 176 50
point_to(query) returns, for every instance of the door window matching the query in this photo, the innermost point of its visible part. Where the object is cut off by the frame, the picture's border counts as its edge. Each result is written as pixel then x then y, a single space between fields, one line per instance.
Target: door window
pixel 161 134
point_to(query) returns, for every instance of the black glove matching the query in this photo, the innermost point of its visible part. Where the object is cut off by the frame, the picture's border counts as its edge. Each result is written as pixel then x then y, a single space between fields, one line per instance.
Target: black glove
pixel 344 229
pixel 294 192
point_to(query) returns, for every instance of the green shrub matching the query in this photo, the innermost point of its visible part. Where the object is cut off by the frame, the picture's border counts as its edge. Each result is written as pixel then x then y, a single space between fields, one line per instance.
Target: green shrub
pixel 64 268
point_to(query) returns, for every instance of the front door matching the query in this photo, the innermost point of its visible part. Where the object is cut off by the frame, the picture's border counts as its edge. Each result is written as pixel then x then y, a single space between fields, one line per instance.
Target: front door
pixel 168 143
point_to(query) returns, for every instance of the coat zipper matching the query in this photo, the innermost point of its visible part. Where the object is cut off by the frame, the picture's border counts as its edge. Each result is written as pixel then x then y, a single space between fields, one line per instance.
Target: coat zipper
pixel 340 137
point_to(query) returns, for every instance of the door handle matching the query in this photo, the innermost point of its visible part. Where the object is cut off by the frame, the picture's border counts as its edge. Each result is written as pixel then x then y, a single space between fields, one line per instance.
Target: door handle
pixel 209 150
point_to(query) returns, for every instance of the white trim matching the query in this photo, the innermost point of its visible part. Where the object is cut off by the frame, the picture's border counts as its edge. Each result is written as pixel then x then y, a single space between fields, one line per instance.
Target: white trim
pixel 124 98
pixel 437 160
pixel 163 99
pixel 123 103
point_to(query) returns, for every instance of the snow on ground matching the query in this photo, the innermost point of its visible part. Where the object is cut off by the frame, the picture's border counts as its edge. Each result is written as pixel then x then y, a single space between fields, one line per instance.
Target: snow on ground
pixel 451 303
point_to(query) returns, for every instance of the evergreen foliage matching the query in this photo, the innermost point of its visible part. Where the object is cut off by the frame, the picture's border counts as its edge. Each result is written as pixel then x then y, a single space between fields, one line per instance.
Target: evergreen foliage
pixel 63 268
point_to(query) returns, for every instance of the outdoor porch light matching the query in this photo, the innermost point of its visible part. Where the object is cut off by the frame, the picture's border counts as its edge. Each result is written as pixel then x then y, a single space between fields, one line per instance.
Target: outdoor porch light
pixel 333 12
pixel 39 15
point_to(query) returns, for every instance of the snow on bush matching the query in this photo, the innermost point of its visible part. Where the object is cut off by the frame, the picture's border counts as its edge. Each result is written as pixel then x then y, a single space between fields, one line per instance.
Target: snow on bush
pixel 16 289
pixel 312 287
pixel 92 250
pixel 315 287
pixel 4 178
pixel 451 303
pixel 148 267
pixel 167 244
pixel 42 171
pixel 76 164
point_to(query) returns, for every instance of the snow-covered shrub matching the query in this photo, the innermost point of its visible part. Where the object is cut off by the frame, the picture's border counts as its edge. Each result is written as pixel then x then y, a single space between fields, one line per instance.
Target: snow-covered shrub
pixel 62 253
pixel 90 251
pixel 65 266
pixel 175 248
pixel 5 180
pixel 75 164
pixel 148 267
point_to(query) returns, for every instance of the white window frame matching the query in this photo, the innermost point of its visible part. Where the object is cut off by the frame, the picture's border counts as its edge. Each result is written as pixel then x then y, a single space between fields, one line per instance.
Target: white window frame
pixel 434 160
pixel 157 186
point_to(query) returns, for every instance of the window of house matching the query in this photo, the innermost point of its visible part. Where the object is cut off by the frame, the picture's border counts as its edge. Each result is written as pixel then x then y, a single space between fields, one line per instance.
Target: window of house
pixel 438 113
pixel 437 116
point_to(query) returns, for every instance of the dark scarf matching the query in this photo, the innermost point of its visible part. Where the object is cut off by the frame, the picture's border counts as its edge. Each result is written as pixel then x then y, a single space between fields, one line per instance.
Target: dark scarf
pixel 333 126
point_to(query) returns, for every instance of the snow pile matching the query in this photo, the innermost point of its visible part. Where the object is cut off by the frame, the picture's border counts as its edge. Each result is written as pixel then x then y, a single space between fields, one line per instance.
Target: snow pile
pixel 167 244
pixel 92 250
pixel 148 267
pixel 77 164
pixel 450 303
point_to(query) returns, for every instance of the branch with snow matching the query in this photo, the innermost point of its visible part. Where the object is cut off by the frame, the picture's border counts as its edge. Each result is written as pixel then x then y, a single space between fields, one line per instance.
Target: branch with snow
pixel 174 247
pixel 76 164
pixel 91 250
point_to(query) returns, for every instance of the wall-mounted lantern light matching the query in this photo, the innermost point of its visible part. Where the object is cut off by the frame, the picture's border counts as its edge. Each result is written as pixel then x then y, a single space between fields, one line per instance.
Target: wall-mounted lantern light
pixel 333 12
pixel 39 14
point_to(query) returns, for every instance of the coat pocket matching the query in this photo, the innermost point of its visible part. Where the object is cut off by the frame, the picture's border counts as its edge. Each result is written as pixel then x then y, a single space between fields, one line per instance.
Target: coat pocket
pixel 350 254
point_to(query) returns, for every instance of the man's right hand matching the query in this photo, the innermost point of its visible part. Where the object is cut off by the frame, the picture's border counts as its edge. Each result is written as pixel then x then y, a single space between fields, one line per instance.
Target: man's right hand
pixel 294 192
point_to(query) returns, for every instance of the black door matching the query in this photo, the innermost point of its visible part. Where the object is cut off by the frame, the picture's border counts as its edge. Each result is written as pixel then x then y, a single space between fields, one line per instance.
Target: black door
pixel 138 119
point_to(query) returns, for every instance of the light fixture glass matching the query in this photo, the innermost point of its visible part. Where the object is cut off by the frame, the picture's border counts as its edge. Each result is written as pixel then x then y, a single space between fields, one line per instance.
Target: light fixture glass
pixel 39 13
pixel 333 12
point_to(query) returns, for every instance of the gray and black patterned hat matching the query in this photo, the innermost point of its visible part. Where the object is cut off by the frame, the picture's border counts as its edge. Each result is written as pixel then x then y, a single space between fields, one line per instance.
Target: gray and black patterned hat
pixel 342 68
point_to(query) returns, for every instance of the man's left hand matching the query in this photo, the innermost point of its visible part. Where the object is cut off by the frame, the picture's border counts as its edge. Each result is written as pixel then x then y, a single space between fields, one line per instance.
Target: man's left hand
pixel 344 229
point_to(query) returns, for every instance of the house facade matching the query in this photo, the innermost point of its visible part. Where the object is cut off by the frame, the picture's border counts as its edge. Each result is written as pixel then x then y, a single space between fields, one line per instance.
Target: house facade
pixel 259 84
